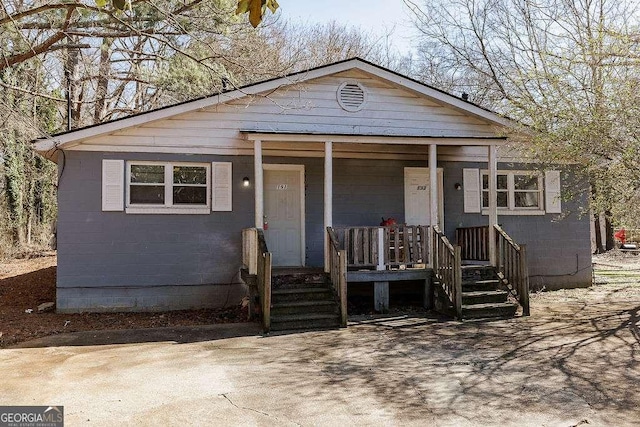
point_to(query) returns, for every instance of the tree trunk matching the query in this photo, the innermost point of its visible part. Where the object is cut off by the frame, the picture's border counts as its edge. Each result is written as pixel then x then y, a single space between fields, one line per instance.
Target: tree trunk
pixel 72 74
pixel 609 239
pixel 597 233
pixel 29 229
pixel 103 80
pixel 14 178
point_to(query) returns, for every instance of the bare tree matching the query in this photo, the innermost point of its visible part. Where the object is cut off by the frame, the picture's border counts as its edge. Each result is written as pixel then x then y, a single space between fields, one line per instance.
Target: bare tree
pixel 276 49
pixel 109 62
pixel 565 68
pixel 108 52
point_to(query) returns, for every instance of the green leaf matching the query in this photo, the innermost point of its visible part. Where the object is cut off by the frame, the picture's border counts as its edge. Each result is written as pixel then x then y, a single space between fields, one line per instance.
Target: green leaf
pixel 101 3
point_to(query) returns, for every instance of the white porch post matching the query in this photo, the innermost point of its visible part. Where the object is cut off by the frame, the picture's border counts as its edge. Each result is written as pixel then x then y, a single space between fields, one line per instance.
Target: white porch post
pixel 493 201
pixel 433 194
pixel 259 192
pixel 328 198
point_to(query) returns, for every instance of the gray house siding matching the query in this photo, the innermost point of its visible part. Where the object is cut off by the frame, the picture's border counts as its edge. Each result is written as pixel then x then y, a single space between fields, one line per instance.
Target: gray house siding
pixel 364 191
pixel 558 246
pixel 120 261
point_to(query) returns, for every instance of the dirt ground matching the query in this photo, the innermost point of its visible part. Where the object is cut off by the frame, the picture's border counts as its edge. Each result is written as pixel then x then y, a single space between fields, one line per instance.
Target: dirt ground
pixel 569 364
pixel 27 283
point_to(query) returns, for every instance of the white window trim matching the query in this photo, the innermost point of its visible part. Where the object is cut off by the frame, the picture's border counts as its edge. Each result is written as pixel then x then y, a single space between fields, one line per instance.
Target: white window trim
pixel 512 209
pixel 168 207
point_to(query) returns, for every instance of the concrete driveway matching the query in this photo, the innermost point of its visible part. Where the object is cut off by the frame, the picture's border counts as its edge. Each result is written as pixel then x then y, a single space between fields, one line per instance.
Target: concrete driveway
pixel 566 365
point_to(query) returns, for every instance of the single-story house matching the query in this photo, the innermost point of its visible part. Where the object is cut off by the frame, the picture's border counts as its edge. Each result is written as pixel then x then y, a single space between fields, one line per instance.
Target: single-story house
pixel 152 207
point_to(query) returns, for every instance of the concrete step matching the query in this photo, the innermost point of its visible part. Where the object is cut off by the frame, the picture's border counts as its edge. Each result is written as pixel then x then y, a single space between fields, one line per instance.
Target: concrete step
pixel 304 321
pixel 304 307
pixel 483 297
pixel 489 310
pixel 301 294
pixel 480 285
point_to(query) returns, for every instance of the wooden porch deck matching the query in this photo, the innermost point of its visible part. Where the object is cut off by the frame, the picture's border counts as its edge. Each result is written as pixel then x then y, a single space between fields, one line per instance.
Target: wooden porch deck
pixel 384 255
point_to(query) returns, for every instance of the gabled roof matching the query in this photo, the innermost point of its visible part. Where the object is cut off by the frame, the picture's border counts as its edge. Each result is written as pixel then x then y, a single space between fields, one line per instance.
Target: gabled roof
pixel 62 139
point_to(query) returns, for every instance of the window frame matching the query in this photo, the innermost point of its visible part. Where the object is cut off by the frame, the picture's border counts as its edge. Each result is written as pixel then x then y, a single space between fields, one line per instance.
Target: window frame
pixel 511 208
pixel 168 207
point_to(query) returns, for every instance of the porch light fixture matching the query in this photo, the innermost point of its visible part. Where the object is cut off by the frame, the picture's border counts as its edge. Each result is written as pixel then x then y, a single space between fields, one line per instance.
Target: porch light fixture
pixel 458 186
pixel 246 182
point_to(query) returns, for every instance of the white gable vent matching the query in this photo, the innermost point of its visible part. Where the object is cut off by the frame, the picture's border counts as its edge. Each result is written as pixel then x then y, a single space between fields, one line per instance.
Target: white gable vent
pixel 351 96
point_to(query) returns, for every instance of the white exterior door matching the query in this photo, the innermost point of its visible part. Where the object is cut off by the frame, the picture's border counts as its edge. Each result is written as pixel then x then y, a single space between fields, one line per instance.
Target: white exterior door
pixel 417 196
pixel 283 211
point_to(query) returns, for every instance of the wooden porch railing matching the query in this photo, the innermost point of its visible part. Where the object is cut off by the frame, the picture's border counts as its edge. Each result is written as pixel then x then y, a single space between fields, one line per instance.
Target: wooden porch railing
pixel 447 265
pixel 384 247
pixel 473 242
pixel 338 271
pixel 257 258
pixel 511 263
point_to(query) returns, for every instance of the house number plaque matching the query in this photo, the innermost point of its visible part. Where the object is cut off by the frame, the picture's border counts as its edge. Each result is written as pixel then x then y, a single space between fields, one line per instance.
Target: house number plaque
pixel 282 187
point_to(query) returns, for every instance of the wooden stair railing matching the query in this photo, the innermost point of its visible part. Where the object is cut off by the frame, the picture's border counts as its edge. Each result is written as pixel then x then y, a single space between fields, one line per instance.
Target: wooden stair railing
pixel 474 242
pixel 447 265
pixel 257 258
pixel 338 272
pixel 511 264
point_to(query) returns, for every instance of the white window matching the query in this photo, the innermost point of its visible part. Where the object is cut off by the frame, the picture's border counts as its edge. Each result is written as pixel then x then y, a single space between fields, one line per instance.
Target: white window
pixel 155 187
pixel 516 191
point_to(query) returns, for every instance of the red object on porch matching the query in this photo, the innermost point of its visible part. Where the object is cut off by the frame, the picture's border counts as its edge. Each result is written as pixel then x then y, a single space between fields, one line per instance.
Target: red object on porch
pixel 621 235
pixel 388 221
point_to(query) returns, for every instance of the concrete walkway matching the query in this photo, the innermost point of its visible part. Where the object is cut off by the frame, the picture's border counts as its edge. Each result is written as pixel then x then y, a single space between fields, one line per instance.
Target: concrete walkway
pixel 565 365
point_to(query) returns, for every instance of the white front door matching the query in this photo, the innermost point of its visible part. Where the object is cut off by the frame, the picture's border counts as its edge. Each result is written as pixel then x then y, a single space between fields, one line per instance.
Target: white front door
pixel 283 211
pixel 417 196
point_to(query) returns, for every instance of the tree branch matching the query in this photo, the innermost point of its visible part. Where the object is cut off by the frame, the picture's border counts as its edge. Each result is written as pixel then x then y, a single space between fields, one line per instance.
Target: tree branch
pixel 42 47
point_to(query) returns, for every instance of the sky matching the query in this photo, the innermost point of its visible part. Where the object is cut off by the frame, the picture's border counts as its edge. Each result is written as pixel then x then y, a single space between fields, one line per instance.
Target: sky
pixel 376 16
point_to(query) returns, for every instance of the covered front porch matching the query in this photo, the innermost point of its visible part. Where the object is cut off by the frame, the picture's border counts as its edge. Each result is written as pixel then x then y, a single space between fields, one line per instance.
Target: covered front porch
pixel 383 255
pixel 424 196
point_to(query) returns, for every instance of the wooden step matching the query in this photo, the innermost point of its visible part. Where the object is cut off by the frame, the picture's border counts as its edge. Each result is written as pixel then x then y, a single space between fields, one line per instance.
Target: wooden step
pixel 304 307
pixel 480 285
pixel 286 281
pixel 301 294
pixel 304 321
pixel 478 272
pixel 483 297
pixel 489 310
pixel 299 285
